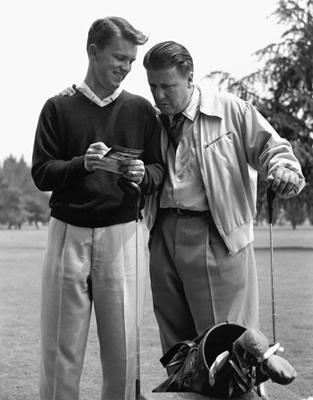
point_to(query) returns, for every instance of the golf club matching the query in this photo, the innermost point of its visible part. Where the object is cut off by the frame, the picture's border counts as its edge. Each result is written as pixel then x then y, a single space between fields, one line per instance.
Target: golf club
pixel 261 389
pixel 270 201
pixel 134 191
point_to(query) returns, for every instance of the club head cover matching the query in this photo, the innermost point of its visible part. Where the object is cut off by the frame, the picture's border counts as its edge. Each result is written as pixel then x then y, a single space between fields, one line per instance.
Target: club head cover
pixel 275 367
pixel 279 370
pixel 253 342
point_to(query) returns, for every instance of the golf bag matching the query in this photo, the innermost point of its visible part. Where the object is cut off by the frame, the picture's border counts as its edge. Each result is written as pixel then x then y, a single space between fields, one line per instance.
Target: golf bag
pixel 225 361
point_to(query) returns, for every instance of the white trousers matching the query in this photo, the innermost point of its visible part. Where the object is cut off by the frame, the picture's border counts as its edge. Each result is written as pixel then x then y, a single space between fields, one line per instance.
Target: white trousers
pixel 84 266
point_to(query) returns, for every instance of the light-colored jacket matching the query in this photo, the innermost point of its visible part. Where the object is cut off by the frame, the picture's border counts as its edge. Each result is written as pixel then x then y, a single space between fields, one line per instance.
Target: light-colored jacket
pixel 233 143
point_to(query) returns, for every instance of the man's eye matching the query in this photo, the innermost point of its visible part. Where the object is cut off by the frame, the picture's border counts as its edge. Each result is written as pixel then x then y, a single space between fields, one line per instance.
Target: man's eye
pixel 120 58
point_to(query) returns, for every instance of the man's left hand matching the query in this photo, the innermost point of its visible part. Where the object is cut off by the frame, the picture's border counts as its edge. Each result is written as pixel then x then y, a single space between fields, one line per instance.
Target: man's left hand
pixel 133 170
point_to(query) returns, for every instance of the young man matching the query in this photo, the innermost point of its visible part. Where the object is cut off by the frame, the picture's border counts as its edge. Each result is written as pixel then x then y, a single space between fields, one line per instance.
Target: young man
pixel 91 252
pixel 202 263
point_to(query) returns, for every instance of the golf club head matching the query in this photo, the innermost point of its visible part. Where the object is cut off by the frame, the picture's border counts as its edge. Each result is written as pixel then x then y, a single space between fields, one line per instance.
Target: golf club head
pixel 133 190
pixel 129 187
pixel 270 201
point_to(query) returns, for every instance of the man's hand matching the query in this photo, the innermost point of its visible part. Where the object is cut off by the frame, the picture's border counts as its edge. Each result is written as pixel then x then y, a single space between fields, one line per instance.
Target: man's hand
pixel 94 154
pixel 133 170
pixel 67 92
pixel 285 182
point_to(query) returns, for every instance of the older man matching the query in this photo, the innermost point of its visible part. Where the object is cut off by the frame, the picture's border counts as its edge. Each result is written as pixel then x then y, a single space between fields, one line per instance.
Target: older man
pixel 202 261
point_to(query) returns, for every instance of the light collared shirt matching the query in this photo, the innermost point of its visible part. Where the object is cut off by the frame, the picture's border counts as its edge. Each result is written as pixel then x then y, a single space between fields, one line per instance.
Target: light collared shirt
pixel 85 89
pixel 183 187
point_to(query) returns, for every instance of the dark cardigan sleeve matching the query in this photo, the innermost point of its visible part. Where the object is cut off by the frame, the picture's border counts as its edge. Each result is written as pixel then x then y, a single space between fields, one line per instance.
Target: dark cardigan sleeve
pixel 154 164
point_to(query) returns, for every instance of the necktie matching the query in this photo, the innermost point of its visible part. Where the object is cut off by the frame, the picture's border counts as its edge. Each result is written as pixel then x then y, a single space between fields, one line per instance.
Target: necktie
pixel 175 131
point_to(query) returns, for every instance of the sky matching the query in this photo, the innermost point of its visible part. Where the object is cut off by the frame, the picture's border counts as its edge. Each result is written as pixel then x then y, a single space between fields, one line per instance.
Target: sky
pixel 43 45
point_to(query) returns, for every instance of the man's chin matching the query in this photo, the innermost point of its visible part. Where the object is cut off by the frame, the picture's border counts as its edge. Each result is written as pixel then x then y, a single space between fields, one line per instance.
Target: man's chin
pixel 118 80
pixel 117 84
pixel 165 110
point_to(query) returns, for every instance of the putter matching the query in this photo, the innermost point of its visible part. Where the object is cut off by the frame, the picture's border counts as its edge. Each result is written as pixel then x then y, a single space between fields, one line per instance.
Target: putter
pixel 134 191
pixel 270 201
pixel 261 388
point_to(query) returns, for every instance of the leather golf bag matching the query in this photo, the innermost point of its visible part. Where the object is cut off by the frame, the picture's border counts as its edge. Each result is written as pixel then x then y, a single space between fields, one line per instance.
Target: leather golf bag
pixel 225 361
pixel 194 359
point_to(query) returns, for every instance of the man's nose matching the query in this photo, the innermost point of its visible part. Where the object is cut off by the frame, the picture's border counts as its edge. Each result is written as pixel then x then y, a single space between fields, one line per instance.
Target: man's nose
pixel 127 66
pixel 159 94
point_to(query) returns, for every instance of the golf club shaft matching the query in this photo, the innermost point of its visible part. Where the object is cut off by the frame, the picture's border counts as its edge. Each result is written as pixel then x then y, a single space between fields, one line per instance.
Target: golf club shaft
pixel 273 283
pixel 138 344
pixel 270 201
pixel 133 189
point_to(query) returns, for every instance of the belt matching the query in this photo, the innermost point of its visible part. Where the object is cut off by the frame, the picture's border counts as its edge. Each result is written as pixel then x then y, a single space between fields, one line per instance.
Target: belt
pixel 187 213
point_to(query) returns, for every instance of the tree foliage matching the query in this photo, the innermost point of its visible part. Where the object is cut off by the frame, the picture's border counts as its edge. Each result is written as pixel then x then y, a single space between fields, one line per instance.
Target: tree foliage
pixel 282 90
pixel 20 200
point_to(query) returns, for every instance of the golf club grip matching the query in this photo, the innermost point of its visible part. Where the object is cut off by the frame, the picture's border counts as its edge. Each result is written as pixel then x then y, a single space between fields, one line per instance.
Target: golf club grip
pixel 270 201
pixel 129 187
pixel 133 189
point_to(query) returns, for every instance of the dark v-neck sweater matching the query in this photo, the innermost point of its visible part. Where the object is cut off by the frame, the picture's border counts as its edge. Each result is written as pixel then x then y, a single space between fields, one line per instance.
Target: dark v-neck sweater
pixel 66 128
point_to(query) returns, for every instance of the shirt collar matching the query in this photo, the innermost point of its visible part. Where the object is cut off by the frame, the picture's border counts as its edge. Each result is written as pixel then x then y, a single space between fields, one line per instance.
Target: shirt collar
pixel 85 89
pixel 192 108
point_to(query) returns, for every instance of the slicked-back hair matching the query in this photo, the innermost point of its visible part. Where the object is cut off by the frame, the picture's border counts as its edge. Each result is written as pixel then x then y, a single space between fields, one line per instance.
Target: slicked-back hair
pixel 104 29
pixel 167 55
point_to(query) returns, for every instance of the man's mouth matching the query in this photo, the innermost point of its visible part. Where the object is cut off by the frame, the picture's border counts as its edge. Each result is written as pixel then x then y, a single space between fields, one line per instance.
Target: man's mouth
pixel 119 75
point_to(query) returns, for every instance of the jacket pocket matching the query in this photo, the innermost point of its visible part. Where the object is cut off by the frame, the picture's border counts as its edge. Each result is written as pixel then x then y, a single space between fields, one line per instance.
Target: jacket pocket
pixel 224 136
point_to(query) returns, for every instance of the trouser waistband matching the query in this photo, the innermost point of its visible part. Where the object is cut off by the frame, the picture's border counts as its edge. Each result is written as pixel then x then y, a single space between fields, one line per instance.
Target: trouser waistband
pixel 185 212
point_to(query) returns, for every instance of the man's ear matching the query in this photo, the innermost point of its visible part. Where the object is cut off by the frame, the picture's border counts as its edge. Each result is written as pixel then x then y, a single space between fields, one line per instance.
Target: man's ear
pixel 190 79
pixel 92 52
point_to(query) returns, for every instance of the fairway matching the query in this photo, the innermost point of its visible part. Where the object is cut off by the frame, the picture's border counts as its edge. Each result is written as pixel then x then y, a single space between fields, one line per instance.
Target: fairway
pixel 21 256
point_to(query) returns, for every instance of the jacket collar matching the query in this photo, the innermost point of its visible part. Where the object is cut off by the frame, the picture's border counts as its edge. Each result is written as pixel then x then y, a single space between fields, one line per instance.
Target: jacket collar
pixel 210 103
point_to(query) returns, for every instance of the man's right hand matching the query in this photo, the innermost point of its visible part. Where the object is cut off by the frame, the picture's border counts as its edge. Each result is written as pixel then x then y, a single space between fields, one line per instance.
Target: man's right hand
pixel 94 154
pixel 67 92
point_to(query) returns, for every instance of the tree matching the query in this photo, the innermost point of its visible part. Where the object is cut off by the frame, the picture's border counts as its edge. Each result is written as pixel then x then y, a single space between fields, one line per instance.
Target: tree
pixel 282 89
pixel 295 210
pixel 20 200
pixel 11 209
pixel 16 172
pixel 37 210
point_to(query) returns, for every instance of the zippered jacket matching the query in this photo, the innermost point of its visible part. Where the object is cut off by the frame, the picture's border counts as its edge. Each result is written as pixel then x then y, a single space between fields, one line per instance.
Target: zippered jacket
pixel 234 142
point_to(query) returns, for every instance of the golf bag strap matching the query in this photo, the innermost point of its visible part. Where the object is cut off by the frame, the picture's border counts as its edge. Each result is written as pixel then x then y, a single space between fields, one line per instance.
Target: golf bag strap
pixel 177 354
pixel 191 350
pixel 181 349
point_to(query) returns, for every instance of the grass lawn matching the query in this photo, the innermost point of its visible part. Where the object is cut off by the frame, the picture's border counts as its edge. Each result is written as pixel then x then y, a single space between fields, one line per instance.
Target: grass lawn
pixel 21 256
